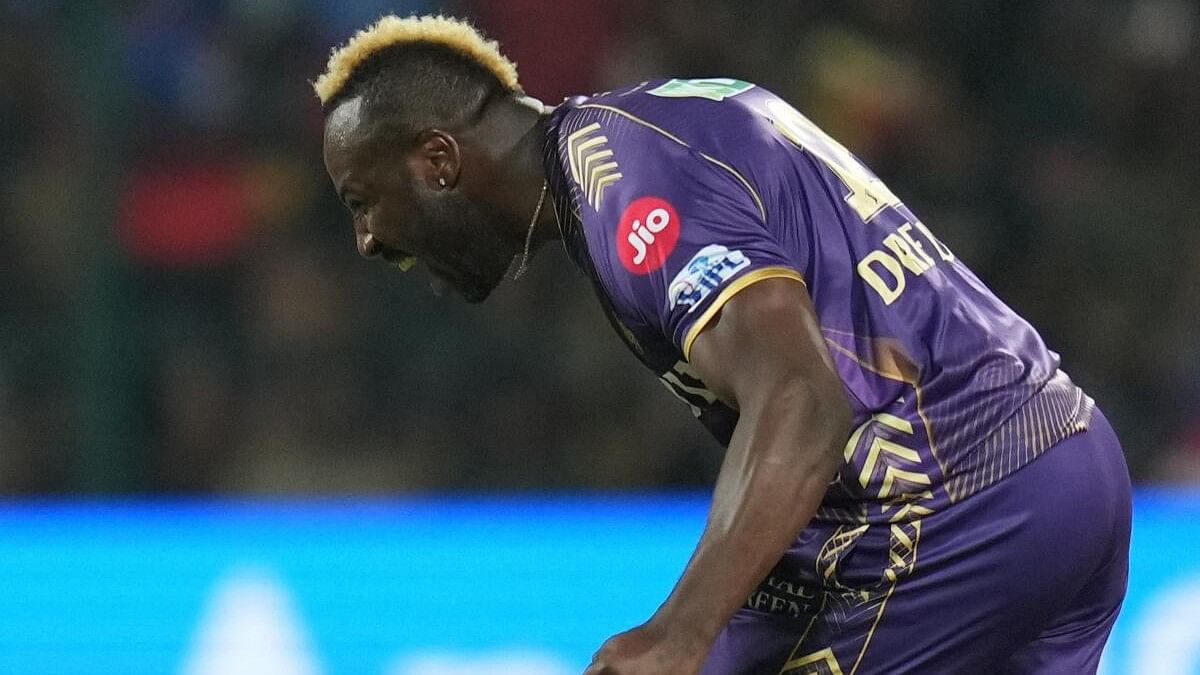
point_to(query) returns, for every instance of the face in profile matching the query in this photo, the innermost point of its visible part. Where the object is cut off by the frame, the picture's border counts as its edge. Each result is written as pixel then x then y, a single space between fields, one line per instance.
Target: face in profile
pixel 399 217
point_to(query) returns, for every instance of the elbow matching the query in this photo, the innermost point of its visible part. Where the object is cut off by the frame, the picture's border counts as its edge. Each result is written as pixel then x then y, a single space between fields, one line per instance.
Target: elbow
pixel 832 418
pixel 835 409
pixel 822 417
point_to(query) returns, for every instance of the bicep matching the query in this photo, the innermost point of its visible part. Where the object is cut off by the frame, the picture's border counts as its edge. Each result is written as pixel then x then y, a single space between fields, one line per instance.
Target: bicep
pixel 764 338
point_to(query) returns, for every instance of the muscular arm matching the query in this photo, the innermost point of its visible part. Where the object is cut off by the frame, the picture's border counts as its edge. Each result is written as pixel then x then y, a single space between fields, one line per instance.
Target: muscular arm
pixel 764 356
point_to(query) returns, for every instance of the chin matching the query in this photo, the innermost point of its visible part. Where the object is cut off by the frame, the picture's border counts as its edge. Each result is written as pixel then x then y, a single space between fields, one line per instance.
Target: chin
pixel 477 290
pixel 478 287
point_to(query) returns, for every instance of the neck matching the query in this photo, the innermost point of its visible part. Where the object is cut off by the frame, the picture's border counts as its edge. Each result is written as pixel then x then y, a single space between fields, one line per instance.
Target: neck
pixel 514 130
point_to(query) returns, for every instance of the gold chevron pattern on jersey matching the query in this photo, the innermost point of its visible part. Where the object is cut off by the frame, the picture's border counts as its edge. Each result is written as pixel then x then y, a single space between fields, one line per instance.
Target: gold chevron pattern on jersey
pixel 592 164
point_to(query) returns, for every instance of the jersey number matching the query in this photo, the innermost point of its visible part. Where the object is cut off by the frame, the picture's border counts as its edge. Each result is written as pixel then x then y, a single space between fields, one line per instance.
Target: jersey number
pixel 713 88
pixel 868 195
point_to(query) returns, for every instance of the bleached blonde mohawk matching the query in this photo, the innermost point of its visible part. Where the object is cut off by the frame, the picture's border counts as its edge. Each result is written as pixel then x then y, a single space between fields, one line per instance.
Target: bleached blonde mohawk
pixel 391 30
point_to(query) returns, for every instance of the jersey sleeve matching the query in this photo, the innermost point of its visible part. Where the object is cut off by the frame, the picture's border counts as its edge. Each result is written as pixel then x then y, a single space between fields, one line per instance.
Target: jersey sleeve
pixel 677 233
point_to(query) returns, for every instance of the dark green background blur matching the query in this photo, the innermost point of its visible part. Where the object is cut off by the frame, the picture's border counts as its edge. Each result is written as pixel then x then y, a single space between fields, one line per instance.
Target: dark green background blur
pixel 182 307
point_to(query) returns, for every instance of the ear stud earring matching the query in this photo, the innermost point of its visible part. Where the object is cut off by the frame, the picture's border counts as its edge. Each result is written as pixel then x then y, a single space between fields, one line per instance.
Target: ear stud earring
pixel 442 183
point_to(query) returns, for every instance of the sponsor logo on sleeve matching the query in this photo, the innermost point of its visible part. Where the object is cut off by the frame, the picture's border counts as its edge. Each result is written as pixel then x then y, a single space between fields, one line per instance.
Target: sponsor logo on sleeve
pixel 646 234
pixel 712 266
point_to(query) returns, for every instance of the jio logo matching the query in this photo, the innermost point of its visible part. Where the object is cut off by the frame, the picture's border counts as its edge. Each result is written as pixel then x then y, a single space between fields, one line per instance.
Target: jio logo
pixel 647 234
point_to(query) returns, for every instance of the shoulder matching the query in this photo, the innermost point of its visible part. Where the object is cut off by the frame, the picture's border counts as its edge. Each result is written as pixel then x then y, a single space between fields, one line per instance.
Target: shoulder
pixel 635 181
pixel 667 217
pixel 686 111
pixel 655 136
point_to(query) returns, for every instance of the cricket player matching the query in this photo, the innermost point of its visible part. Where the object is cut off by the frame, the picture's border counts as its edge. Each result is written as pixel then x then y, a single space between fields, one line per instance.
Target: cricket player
pixel 911 484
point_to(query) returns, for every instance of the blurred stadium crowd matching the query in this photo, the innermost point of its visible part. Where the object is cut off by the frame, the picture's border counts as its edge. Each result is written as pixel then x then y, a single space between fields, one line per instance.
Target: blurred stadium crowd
pixel 182 307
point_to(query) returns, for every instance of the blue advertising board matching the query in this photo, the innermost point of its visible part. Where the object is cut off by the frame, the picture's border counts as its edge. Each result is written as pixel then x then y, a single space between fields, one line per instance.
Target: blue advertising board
pixel 513 585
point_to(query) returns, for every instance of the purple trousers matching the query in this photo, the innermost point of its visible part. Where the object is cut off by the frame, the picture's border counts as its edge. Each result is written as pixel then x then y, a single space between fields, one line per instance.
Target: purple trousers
pixel 1026 576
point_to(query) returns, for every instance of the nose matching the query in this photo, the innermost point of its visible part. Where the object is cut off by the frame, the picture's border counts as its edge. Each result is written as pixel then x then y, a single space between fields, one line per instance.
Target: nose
pixel 368 245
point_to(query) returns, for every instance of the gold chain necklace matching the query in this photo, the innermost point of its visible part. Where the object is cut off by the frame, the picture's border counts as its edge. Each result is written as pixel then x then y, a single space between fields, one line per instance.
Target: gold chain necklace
pixel 537 211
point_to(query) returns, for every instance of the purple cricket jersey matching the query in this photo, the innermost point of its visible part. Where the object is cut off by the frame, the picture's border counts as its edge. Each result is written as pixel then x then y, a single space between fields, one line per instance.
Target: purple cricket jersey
pixel 677 194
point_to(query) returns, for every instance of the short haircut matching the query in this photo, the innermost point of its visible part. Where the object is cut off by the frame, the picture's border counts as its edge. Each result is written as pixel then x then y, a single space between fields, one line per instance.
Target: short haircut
pixel 417 73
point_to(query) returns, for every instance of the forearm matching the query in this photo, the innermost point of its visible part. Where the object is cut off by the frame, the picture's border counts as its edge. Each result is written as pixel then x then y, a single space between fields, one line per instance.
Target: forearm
pixel 779 463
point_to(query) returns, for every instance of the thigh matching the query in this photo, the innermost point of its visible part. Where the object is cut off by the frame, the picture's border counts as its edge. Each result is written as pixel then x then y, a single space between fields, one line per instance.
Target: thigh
pixel 799 604
pixel 818 611
pixel 754 643
pixel 1069 650
pixel 959 591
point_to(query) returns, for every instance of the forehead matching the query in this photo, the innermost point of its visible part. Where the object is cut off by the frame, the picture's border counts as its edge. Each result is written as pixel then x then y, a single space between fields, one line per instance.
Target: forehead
pixel 344 136
pixel 343 123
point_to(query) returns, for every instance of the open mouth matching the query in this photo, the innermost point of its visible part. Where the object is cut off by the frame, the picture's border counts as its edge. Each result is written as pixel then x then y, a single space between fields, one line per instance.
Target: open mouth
pixel 441 278
pixel 401 261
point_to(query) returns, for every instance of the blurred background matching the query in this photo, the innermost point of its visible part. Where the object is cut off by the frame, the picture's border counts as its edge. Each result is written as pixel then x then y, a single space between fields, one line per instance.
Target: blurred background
pixel 182 308
pixel 183 313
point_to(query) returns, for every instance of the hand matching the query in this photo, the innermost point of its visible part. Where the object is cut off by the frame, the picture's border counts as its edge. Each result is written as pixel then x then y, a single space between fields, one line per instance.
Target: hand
pixel 649 649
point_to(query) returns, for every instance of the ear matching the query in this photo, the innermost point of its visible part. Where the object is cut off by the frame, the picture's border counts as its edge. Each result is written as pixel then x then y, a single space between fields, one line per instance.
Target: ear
pixel 436 159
